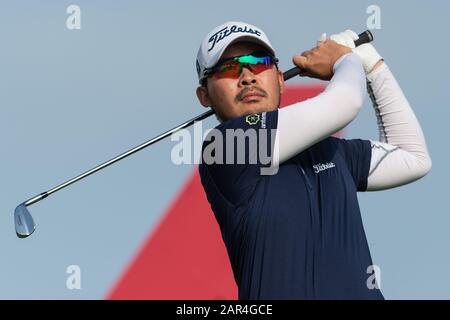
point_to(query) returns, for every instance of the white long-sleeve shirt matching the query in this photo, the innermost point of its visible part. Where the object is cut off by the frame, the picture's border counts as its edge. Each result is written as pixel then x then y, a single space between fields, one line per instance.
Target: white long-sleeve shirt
pixel 401 155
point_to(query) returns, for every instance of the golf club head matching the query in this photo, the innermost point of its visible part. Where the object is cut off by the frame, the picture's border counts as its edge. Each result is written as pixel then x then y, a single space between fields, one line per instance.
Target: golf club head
pixel 23 221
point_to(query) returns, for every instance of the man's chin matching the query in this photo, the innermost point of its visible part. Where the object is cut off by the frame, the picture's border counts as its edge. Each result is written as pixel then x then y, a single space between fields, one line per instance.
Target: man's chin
pixel 251 108
pixel 245 109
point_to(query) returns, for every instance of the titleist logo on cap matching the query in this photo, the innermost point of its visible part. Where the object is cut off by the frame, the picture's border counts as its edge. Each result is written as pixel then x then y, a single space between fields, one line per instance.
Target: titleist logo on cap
pixel 225 32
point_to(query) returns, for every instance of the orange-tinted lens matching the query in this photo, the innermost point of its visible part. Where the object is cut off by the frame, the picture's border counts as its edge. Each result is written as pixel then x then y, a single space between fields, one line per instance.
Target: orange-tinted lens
pixel 230 69
pixel 260 67
pixel 233 68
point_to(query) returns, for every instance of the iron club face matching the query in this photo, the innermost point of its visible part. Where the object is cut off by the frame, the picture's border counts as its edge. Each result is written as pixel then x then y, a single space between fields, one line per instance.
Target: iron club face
pixel 23 221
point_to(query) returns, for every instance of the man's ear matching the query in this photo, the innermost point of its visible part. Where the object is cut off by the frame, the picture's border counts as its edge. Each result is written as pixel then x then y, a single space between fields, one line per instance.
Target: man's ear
pixel 281 81
pixel 203 96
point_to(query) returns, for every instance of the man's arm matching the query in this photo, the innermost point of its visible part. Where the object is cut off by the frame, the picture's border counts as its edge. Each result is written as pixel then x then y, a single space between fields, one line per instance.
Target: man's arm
pixel 400 156
pixel 305 123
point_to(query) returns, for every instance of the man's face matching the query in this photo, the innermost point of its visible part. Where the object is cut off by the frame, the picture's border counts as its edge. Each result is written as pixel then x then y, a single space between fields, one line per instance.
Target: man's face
pixel 250 93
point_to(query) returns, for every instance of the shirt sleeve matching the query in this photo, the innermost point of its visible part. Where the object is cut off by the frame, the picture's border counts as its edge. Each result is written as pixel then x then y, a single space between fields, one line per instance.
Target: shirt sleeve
pixel 306 123
pixel 401 155
pixel 357 154
pixel 236 152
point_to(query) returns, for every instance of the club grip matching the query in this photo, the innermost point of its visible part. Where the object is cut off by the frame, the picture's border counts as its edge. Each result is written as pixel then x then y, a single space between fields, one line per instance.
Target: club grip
pixel 364 37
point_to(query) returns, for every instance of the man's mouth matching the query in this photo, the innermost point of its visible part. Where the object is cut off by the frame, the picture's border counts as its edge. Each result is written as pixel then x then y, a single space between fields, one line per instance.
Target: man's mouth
pixel 251 95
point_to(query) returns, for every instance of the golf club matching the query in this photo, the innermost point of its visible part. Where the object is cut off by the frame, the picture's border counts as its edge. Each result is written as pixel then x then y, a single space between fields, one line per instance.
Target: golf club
pixel 24 223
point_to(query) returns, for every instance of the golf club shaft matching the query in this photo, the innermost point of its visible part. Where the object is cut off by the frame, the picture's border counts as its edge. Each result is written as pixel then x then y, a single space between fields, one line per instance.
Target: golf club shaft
pixel 364 37
pixel 118 158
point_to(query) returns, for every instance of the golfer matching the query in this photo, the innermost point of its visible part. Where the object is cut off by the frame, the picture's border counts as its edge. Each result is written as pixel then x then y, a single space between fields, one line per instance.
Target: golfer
pixel 297 233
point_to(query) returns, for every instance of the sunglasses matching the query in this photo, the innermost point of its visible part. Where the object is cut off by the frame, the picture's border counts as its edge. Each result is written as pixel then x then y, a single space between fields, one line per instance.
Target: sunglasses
pixel 232 67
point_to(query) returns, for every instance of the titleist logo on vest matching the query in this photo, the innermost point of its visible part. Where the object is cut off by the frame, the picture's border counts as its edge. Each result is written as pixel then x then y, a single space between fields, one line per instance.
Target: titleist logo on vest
pixel 321 167
pixel 225 32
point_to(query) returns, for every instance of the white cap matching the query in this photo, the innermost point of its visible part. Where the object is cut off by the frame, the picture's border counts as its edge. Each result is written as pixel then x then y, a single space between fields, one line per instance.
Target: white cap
pixel 216 41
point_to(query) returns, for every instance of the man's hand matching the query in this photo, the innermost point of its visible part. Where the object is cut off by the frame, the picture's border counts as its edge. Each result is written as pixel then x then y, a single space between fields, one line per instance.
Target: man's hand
pixel 319 61
pixel 370 57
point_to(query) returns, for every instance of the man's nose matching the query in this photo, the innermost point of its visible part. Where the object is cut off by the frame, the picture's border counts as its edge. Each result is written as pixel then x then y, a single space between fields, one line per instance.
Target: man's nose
pixel 247 77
